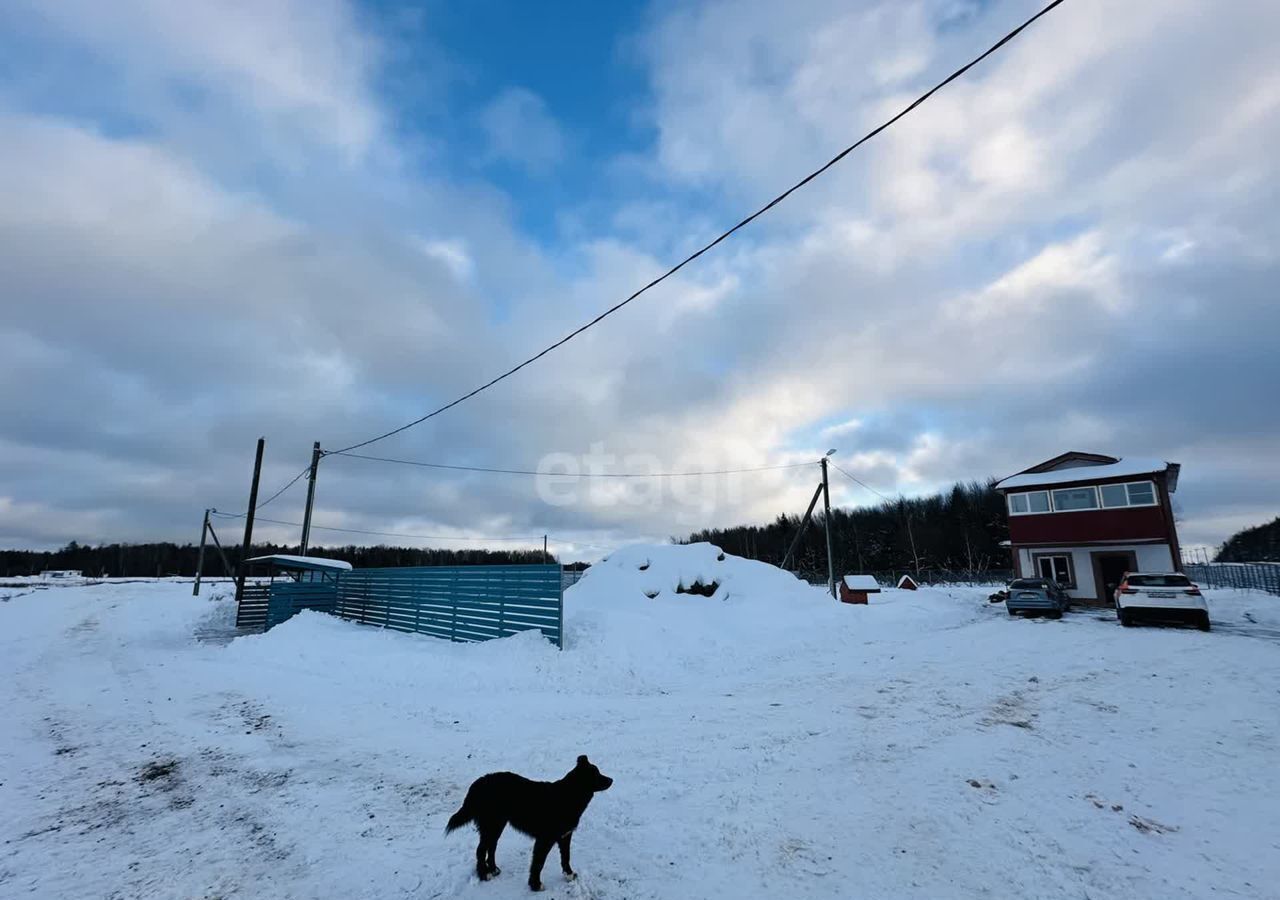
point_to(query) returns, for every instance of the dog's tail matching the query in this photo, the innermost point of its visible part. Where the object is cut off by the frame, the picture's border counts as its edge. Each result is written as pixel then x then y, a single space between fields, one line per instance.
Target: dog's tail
pixel 461 817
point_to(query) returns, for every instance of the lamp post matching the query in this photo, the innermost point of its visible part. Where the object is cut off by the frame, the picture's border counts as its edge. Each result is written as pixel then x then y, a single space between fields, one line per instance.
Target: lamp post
pixel 826 520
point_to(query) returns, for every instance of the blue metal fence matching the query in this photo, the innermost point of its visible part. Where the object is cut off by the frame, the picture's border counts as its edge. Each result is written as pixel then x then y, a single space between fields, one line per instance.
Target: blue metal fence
pixel 286 598
pixel 461 603
pixel 251 612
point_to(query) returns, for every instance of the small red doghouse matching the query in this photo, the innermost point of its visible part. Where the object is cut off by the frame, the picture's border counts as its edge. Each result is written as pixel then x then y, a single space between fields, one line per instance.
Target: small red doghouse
pixel 854 588
pixel 907 583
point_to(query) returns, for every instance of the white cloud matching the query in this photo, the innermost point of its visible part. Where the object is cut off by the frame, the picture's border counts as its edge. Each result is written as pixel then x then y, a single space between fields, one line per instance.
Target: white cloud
pixel 841 429
pixel 521 130
pixel 298 69
pixel 1069 270
pixel 1017 269
pixel 454 255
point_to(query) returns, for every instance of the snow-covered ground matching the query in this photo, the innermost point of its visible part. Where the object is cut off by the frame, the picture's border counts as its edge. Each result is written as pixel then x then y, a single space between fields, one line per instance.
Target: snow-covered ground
pixel 766 742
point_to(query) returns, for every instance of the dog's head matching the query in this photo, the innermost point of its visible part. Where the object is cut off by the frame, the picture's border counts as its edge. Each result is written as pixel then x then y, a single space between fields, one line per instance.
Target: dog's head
pixel 586 774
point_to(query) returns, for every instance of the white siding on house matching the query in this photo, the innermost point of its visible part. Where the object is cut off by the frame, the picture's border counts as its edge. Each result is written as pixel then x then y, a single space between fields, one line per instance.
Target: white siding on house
pixel 1082 563
pixel 1024 564
pixel 1151 558
pixel 1155 558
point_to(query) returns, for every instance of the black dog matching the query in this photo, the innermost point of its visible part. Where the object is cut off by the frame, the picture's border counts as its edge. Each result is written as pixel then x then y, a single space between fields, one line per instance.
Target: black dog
pixel 547 811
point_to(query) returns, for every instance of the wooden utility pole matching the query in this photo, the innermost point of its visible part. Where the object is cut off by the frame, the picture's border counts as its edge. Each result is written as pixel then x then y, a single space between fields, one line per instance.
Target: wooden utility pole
pixel 248 518
pixel 546 557
pixel 804 526
pixel 857 543
pixel 826 515
pixel 311 499
pixel 906 515
pixel 204 530
pixel 227 570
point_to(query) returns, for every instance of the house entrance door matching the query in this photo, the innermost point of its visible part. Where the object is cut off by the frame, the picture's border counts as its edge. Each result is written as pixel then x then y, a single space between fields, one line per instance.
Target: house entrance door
pixel 1108 572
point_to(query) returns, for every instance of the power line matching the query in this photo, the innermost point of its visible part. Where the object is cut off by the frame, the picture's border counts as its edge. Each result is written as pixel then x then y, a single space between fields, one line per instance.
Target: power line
pixel 863 483
pixel 291 483
pixel 430 465
pixel 742 224
pixel 425 537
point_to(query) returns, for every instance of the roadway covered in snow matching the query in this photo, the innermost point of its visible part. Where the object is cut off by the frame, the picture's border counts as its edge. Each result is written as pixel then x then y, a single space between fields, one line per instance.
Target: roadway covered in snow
pixel 765 741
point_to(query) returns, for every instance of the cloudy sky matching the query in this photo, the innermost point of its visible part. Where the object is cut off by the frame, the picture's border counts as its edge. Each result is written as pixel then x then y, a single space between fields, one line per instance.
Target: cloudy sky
pixel 318 220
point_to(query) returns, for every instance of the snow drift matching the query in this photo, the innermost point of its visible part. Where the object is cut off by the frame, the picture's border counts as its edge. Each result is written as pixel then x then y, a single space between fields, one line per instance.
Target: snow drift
pixel 649 571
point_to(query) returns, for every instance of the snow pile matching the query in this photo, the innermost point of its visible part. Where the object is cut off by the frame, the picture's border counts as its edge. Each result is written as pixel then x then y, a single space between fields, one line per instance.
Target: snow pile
pixel 651 615
pixel 652 571
pixel 643 621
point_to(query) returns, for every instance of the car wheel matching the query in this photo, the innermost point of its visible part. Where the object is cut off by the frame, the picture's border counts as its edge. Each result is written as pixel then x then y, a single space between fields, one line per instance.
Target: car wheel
pixel 1055 614
pixel 1125 618
pixel 1013 612
pixel 1203 624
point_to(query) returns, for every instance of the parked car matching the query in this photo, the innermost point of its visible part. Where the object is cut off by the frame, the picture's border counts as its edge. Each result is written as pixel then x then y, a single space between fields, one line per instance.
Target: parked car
pixel 1162 596
pixel 1037 595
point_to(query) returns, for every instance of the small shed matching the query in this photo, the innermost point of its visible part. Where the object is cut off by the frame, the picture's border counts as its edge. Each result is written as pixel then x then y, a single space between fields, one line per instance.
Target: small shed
pixel 299 568
pixel 855 588
pixel 907 583
pixel 294 583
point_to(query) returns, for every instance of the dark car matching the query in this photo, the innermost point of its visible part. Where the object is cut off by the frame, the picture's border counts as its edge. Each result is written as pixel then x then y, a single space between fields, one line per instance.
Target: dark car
pixel 1037 595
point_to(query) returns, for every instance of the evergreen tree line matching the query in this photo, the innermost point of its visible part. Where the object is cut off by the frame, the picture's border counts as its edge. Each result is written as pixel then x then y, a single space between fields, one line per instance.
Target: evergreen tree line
pixel 1258 544
pixel 958 531
pixel 165 559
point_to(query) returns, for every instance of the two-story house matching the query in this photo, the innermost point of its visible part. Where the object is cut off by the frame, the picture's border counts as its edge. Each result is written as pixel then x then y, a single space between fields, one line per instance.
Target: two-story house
pixel 1084 519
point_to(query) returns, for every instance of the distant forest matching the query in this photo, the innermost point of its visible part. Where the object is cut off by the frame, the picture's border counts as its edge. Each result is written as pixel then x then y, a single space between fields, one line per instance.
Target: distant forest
pixel 1258 544
pixel 157 560
pixel 957 530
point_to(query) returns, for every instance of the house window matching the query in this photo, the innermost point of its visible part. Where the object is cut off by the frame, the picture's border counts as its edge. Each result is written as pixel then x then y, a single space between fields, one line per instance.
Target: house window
pixel 1056 568
pixel 1114 495
pixel 1138 493
pixel 1142 493
pixel 1069 499
pixel 1033 502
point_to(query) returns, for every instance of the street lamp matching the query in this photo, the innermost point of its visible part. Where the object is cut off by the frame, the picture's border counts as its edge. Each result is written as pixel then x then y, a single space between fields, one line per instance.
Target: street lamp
pixel 826 521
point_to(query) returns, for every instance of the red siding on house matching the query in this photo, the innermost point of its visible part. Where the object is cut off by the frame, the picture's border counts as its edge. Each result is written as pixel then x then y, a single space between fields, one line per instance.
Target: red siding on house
pixel 1143 523
pixel 1133 523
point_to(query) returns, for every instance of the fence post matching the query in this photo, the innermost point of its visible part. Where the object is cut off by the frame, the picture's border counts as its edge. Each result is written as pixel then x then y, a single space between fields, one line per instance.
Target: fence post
pixel 453 604
pixel 419 589
pixel 502 603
